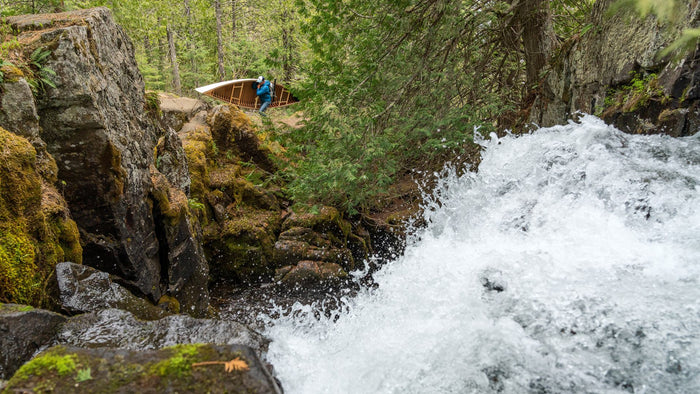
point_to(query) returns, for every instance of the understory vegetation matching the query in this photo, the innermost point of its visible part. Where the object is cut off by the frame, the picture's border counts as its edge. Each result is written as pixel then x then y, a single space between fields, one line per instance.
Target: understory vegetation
pixel 386 86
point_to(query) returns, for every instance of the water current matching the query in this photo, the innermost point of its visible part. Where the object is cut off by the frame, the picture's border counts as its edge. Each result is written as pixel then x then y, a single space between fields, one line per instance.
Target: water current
pixel 569 263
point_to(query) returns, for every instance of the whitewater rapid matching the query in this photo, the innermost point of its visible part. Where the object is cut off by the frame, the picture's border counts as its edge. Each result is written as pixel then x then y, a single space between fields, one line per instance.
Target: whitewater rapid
pixel 569 263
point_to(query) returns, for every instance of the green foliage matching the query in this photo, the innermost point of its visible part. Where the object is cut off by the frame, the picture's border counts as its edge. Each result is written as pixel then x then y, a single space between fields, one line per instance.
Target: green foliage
pixel 194 204
pixel 570 16
pixel 19 7
pixel 664 9
pixel 392 85
pixel 153 105
pixel 635 94
pixel 83 375
pixel 684 45
pixel 43 75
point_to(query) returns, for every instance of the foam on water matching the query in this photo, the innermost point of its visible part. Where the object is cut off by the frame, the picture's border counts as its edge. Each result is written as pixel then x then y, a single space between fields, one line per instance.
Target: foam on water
pixel 569 263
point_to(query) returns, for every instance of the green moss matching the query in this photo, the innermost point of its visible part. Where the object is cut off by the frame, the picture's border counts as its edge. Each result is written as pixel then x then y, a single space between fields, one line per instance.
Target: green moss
pixel 171 304
pixel 180 363
pixel 21 186
pixel 15 308
pixel 55 360
pixel 36 231
pixel 195 150
pixel 634 95
pixel 112 160
pixel 19 281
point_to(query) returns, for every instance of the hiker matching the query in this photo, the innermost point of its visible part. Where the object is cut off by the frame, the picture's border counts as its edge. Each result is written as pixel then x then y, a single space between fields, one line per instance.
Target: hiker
pixel 264 93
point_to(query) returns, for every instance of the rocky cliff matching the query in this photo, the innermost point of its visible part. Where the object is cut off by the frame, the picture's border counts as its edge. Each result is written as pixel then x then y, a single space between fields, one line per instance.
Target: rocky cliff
pixel 613 70
pixel 93 121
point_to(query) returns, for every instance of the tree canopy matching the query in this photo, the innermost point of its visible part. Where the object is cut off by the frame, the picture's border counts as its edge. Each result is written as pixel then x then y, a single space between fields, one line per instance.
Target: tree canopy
pixel 387 85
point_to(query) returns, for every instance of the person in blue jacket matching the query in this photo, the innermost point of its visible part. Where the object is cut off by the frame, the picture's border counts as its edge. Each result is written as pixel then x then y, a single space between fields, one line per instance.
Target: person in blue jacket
pixel 264 93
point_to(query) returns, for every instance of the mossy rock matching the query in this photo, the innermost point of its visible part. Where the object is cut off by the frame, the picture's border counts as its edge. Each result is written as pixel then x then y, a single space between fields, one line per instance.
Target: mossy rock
pixel 172 203
pixel 11 73
pixel 323 219
pixel 21 184
pixel 310 275
pixel 243 192
pixel 36 231
pixel 198 147
pixel 240 249
pixel 181 368
pixel 20 281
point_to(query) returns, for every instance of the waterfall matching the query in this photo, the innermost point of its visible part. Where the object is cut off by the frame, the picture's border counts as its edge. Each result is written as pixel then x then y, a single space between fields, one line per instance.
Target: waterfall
pixel 570 262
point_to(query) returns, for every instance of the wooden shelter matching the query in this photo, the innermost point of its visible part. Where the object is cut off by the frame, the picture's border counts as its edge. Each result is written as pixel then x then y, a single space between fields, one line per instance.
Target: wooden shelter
pixel 241 93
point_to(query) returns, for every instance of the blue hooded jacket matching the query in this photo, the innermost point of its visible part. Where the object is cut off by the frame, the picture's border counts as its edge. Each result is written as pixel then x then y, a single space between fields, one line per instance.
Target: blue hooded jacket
pixel 264 92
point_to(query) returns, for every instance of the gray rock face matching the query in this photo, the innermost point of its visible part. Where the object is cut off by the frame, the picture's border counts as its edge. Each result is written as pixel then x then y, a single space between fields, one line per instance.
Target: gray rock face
pixel 118 328
pixel 95 126
pixel 84 289
pixel 589 69
pixel 18 113
pixel 23 332
pixel 171 161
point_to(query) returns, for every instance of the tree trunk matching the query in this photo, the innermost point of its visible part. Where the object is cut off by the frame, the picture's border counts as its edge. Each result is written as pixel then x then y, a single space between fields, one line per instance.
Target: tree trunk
pixel 191 43
pixel 219 40
pixel 233 19
pixel 287 46
pixel 534 20
pixel 160 53
pixel 177 86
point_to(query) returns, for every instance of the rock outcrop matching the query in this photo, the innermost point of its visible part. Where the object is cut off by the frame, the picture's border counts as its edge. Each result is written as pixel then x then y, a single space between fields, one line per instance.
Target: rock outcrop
pixel 121 329
pixel 178 369
pixel 94 123
pixel 23 332
pixel 613 70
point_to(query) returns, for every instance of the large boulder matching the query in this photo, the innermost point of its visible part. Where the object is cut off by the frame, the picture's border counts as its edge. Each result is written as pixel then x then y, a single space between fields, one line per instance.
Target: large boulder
pixel 179 369
pixel 118 328
pixel 95 125
pixel 23 332
pixel 316 235
pixel 232 129
pixel 85 289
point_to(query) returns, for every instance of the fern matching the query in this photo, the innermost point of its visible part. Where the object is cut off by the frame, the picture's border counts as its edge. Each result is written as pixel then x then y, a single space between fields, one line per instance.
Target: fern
pixel 43 76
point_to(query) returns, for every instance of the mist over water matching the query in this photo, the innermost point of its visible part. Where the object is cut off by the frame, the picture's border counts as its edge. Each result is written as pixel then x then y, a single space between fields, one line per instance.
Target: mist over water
pixel 569 263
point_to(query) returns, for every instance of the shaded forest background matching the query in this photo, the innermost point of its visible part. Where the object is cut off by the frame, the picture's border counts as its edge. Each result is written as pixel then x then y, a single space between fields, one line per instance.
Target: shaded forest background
pixel 387 86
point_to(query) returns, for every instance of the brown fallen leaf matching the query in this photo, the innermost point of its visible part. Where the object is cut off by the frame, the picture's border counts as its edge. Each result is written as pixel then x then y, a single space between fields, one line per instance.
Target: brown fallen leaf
pixel 229 366
pixel 236 365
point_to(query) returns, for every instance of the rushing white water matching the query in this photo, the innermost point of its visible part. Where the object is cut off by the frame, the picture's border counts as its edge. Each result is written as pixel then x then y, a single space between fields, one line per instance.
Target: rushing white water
pixel 569 263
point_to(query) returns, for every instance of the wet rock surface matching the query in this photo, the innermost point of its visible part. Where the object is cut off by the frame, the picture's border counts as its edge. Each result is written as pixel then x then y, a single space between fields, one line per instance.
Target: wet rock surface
pixel 85 289
pixel 121 329
pixel 24 331
pixel 183 368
